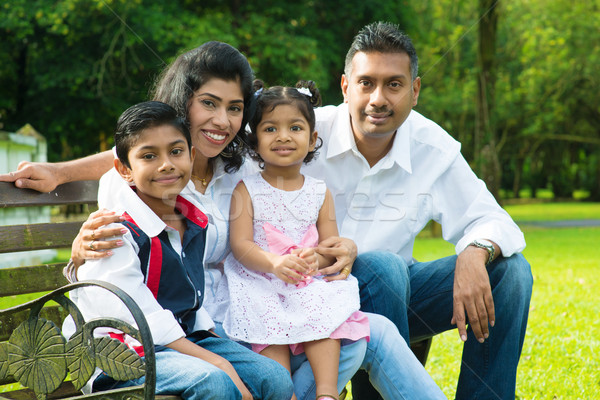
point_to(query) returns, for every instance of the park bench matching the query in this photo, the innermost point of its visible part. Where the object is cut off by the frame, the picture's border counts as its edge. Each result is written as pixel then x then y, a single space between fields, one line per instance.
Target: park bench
pixel 32 350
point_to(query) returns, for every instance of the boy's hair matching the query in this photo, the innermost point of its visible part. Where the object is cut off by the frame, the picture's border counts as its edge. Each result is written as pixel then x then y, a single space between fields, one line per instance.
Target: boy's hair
pixel 382 37
pixel 268 99
pixel 141 116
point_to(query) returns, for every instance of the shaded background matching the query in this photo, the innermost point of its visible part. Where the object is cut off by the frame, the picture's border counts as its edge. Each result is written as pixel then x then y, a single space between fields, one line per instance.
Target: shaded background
pixel 515 82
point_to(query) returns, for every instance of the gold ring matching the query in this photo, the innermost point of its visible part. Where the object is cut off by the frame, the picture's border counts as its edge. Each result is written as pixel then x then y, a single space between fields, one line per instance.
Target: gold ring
pixel 345 271
pixel 94 234
pixel 92 245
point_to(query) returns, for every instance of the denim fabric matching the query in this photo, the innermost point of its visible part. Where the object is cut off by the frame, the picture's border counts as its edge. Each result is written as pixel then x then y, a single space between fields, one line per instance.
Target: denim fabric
pixel 423 292
pixel 392 367
pixel 195 379
pixel 351 357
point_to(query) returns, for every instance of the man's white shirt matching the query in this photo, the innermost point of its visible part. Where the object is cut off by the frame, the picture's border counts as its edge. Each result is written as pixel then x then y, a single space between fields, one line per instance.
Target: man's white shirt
pixel 423 177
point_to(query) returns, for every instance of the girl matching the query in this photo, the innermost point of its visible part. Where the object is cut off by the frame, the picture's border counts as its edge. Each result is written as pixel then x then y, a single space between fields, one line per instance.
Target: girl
pixel 278 216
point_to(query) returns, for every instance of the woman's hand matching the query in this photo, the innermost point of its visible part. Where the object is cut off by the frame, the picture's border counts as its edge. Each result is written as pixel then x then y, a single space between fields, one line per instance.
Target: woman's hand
pixel 90 244
pixel 43 177
pixel 344 250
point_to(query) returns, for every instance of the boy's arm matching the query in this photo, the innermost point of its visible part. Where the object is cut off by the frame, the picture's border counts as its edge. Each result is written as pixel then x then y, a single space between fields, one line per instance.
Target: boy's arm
pixel 241 236
pixel 123 270
pixel 45 177
pixel 185 346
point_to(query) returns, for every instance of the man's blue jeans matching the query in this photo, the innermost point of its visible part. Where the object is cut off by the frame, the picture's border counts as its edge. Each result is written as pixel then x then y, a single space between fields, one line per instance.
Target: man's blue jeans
pixel 419 300
pixel 195 379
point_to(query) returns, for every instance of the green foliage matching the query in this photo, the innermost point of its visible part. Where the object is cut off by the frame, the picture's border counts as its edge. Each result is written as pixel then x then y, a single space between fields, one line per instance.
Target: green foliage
pixel 69 67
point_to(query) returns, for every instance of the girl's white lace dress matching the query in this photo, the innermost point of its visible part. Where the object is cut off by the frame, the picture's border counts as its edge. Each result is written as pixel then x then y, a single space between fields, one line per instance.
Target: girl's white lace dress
pixel 265 310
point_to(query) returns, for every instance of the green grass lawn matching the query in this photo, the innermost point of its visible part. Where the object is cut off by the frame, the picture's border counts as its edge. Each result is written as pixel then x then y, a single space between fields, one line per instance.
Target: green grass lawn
pixel 560 355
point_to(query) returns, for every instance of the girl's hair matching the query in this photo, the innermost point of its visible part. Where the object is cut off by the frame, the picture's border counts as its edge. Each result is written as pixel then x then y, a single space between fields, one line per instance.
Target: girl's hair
pixel 178 82
pixel 140 117
pixel 268 99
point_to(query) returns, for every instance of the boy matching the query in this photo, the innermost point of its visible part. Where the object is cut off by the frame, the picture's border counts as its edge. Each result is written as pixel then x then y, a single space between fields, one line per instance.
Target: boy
pixel 160 266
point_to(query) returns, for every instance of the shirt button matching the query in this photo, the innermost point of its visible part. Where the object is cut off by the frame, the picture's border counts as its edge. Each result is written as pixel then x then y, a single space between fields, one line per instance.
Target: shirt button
pixel 183 254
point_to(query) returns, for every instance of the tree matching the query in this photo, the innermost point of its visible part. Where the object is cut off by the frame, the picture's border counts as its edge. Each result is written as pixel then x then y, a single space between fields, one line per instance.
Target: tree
pixel 488 166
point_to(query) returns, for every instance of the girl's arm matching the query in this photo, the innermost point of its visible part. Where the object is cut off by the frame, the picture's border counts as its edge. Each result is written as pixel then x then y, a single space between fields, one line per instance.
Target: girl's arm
pixel 327 228
pixel 288 267
pixel 336 253
pixel 185 346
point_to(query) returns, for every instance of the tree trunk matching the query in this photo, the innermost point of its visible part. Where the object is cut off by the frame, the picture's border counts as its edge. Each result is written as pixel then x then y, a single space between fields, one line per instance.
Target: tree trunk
pixel 516 187
pixel 486 157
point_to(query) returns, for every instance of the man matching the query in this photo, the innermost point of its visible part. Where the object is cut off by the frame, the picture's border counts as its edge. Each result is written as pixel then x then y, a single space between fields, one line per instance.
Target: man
pixel 391 171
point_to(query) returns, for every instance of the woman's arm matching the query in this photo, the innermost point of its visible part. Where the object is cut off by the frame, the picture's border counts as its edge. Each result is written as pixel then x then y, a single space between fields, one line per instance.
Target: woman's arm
pixel 288 267
pixel 45 177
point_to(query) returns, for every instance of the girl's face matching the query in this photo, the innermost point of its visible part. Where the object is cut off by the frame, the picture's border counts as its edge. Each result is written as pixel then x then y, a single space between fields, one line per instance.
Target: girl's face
pixel 215 113
pixel 284 137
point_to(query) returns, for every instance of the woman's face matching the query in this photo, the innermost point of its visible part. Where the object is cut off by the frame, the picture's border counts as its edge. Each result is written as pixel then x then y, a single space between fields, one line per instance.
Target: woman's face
pixel 215 113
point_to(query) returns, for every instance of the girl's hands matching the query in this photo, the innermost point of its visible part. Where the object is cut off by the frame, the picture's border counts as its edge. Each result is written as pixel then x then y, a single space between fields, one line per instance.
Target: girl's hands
pixel 291 268
pixel 310 256
pixel 90 244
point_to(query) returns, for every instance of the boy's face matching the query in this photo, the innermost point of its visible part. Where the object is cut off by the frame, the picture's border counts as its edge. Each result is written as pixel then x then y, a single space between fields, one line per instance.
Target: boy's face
pixel 161 164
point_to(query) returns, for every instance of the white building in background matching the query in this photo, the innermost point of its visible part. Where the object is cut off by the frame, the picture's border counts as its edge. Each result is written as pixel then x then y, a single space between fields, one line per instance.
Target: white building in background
pixel 24 145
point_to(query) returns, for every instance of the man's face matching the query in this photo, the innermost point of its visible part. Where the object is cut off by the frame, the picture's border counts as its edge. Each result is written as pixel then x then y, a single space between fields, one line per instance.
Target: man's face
pixel 380 94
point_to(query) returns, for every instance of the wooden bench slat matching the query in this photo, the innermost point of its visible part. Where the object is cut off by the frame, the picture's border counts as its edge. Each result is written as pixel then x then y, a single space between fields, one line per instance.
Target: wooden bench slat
pixel 34 279
pixel 38 236
pixel 81 192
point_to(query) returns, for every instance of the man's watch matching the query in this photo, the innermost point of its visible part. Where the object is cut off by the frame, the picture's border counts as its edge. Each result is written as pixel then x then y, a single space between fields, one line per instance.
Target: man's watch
pixel 487 245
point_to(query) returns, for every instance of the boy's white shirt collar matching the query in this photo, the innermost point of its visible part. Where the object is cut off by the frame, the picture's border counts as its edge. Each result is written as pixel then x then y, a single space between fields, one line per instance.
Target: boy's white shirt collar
pixel 121 198
pixel 343 140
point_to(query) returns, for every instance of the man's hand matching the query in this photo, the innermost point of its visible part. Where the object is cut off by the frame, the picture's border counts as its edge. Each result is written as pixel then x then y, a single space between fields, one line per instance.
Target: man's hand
pixel 43 177
pixel 344 250
pixel 473 294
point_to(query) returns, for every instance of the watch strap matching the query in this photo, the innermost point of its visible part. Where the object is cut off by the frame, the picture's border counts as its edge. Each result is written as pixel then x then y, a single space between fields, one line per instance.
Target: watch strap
pixel 487 245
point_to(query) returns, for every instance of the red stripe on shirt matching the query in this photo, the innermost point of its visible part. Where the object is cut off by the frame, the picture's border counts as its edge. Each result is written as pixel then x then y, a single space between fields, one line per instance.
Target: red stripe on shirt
pixel 155 266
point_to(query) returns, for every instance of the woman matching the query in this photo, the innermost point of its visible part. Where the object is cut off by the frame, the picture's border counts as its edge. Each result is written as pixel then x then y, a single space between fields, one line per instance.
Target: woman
pixel 211 86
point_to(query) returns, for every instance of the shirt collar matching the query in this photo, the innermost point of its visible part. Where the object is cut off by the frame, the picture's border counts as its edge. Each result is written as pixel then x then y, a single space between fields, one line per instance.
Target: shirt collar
pixel 342 139
pixel 147 220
